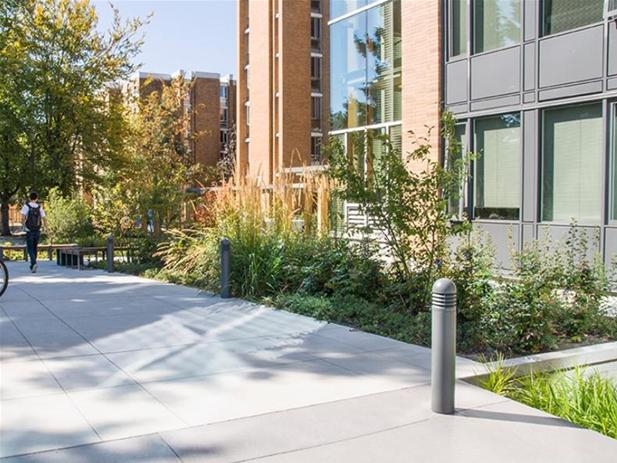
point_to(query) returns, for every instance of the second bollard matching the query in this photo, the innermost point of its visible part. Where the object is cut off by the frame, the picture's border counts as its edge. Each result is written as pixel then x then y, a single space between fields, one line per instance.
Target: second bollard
pixel 443 346
pixel 225 268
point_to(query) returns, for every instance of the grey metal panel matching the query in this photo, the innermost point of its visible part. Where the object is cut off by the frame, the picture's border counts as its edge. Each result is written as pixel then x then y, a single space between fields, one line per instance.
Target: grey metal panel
pixel 571 57
pixel 529 97
pixel 530 20
pixel 530 165
pixel 612 48
pixel 612 83
pixel 529 67
pixel 456 82
pixel 505 237
pixel 528 233
pixel 570 90
pixel 559 233
pixel 495 103
pixel 610 244
pixel 458 108
pixel 496 73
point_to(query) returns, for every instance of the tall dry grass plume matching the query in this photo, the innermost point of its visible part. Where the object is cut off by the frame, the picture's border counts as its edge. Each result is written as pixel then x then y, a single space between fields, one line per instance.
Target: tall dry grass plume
pixel 297 201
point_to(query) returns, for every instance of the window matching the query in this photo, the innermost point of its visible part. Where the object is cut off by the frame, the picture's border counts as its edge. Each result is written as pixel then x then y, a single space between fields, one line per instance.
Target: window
pixel 315 67
pixel 223 91
pixel 316 5
pixel 223 137
pixel 563 15
pixel 614 166
pixel 458 27
pixel 315 148
pixel 572 164
pixel 316 107
pixel 315 32
pixel 497 24
pixel 316 73
pixel 224 116
pixel 498 168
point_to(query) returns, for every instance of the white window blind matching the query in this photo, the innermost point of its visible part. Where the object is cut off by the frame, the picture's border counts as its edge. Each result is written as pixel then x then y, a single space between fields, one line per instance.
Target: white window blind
pixel 498 168
pixel 572 164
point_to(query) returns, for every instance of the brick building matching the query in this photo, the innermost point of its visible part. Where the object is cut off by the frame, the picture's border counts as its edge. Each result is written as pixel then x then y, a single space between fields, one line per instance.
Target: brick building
pixel 282 84
pixel 212 105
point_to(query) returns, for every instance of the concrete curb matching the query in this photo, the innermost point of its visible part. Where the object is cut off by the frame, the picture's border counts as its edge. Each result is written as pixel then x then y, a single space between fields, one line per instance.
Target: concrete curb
pixel 551 361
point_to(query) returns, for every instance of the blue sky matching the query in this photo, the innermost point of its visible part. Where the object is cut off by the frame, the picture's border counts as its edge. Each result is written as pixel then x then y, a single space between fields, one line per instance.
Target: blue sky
pixel 194 35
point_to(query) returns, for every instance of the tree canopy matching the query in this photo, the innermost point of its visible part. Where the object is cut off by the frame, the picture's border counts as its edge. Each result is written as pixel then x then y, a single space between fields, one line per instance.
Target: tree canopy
pixel 57 128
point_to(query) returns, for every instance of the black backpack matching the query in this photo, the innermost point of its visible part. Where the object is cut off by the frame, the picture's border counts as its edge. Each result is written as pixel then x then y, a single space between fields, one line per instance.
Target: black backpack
pixel 33 221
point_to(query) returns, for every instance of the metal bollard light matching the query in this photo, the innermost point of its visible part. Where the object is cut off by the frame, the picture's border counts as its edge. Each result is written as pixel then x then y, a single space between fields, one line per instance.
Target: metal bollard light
pixel 110 253
pixel 443 346
pixel 225 268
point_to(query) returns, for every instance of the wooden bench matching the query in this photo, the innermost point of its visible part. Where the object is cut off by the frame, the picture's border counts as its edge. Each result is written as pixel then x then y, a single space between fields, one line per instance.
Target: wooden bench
pixel 42 247
pixel 74 256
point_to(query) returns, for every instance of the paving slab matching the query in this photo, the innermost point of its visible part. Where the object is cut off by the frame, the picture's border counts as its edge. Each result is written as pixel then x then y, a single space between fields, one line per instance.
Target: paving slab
pixel 99 367
pixel 146 449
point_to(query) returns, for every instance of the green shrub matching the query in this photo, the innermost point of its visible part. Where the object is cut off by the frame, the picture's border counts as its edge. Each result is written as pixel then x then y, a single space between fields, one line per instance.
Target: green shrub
pixel 587 400
pixel 69 220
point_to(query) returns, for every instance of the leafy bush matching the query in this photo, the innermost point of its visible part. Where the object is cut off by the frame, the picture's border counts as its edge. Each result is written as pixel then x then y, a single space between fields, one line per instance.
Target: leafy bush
pixel 587 400
pixel 69 220
pixel 361 314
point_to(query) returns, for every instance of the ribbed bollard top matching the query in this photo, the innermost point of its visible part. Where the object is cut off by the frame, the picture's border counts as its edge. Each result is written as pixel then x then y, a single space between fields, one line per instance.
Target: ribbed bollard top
pixel 444 294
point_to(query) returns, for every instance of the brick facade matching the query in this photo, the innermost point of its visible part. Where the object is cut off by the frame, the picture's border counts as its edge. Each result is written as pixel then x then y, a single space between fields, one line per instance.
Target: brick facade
pixel 274 58
pixel 421 80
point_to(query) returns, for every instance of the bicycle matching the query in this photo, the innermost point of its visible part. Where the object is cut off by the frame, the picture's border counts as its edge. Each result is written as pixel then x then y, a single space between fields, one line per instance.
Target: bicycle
pixel 4 277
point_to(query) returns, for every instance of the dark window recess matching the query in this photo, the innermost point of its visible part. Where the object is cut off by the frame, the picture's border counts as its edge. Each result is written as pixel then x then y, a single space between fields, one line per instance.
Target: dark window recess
pixel 316 73
pixel 316 111
pixel 316 33
pixel 316 6
pixel 315 149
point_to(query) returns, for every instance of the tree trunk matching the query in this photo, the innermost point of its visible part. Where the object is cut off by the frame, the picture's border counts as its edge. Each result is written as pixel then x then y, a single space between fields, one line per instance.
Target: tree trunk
pixel 4 213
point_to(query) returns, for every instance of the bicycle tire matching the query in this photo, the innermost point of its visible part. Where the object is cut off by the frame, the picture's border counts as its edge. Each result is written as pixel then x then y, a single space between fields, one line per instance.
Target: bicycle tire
pixel 4 277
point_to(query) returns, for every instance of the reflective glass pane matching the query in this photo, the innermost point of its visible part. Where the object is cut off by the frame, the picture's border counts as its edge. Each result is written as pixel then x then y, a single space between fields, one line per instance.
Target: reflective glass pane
pixel 396 137
pixel 383 50
pixel 458 31
pixel 376 146
pixel 498 167
pixel 348 72
pixel 572 164
pixel 497 24
pixel 456 197
pixel 341 7
pixel 356 149
pixel 563 15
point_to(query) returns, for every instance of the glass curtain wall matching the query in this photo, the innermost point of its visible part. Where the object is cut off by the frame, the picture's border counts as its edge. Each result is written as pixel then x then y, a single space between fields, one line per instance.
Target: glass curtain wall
pixel 365 67
pixel 614 164
pixel 365 73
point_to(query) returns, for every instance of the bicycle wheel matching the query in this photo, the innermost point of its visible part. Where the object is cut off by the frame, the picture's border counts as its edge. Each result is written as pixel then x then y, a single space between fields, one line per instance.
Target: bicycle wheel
pixel 4 277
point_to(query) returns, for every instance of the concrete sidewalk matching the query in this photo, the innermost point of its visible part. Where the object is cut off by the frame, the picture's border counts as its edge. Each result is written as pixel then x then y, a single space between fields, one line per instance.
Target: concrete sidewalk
pixel 101 368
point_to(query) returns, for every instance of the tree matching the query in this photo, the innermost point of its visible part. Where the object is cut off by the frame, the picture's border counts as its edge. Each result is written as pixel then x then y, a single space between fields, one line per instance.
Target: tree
pixel 56 69
pixel 159 162
pixel 406 198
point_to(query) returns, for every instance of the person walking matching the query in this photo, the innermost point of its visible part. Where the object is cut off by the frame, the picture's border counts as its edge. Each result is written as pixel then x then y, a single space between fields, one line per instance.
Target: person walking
pixel 33 217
